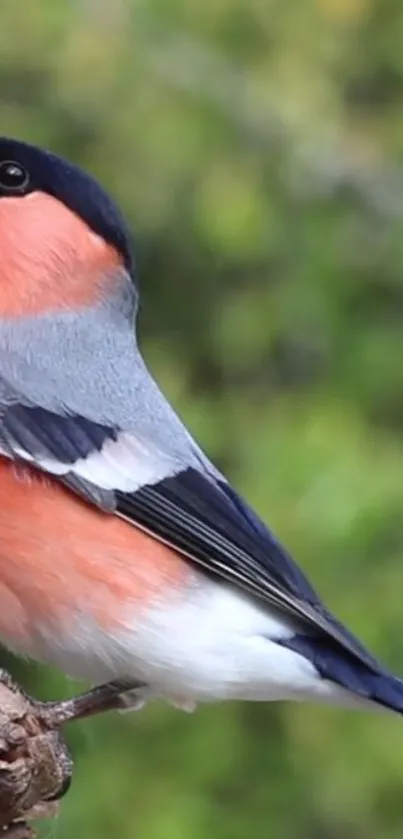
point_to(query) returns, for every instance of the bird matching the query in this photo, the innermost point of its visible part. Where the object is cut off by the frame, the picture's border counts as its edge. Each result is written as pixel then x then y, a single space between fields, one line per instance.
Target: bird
pixel 127 558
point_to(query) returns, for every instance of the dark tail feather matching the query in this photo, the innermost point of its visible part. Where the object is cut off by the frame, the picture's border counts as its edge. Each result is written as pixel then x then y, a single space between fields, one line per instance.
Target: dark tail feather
pixel 339 666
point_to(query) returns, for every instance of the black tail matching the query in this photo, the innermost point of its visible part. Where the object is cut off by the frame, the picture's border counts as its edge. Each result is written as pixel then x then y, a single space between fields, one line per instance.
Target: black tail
pixel 341 667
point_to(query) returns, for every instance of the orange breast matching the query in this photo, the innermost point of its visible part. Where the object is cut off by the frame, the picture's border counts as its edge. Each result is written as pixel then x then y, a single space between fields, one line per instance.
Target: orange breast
pixel 49 257
pixel 59 555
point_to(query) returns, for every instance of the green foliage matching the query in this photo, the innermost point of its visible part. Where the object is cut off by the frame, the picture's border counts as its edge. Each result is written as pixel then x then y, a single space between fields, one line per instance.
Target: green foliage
pixel 256 149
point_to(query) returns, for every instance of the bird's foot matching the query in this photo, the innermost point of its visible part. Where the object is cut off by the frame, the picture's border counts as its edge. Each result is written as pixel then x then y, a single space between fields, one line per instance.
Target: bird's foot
pixel 110 696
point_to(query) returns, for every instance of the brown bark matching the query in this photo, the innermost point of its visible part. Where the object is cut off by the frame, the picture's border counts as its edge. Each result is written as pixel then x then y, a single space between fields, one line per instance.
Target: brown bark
pixel 35 765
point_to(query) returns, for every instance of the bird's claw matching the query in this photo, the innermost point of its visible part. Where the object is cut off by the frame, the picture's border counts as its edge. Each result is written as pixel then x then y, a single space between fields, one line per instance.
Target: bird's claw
pixel 97 700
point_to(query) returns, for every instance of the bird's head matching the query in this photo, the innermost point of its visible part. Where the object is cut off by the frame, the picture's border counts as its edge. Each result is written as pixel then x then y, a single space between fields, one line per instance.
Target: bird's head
pixel 63 242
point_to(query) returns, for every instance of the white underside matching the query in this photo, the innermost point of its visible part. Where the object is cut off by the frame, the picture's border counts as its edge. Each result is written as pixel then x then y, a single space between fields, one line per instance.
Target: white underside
pixel 211 644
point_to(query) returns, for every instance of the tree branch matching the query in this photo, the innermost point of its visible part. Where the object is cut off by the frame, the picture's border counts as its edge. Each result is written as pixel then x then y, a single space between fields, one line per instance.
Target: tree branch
pixel 35 765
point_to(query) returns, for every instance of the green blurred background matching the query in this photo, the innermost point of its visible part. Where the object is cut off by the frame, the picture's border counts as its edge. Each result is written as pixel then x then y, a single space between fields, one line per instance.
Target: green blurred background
pixel 256 147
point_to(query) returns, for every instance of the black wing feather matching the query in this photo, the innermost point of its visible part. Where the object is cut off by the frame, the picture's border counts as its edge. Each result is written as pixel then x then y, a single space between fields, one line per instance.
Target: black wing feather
pixel 210 524
pixel 42 432
pixel 65 438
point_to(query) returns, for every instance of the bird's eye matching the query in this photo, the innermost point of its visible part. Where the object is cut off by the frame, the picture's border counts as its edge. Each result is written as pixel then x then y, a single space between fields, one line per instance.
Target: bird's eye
pixel 13 177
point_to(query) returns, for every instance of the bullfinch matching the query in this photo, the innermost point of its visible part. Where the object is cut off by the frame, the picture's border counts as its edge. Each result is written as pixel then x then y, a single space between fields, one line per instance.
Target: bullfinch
pixel 127 559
